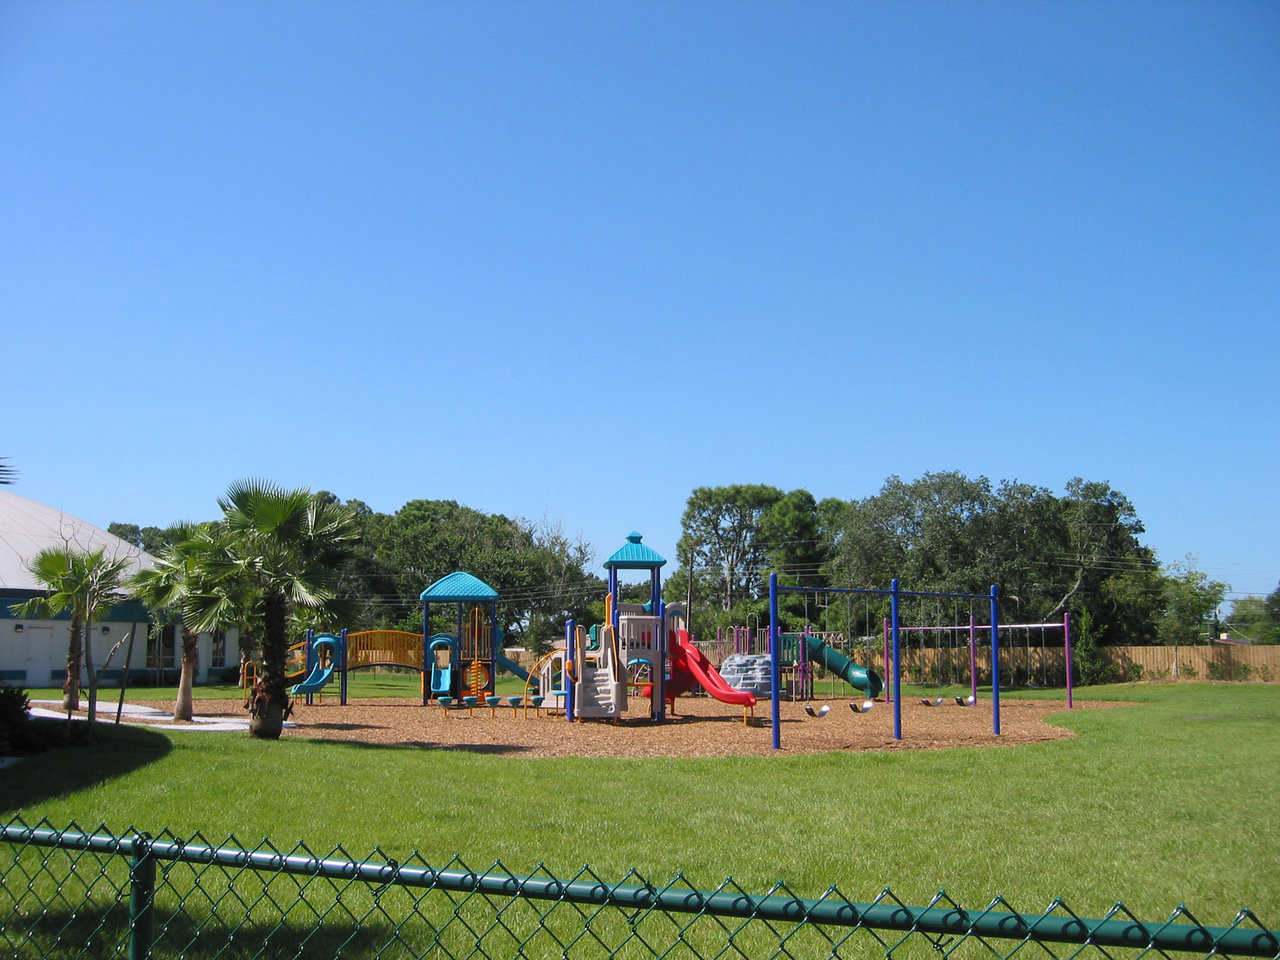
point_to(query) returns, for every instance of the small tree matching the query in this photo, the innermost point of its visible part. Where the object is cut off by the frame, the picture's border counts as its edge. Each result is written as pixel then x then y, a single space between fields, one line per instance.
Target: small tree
pixel 87 584
pixel 287 545
pixel 194 584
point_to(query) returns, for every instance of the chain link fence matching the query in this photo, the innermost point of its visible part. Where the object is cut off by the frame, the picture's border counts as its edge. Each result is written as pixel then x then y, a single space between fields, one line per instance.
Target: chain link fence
pixel 70 893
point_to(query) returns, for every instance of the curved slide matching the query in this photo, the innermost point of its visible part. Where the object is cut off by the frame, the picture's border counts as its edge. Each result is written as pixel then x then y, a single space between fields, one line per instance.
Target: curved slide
pixel 690 667
pixel 509 665
pixel 860 678
pixel 318 677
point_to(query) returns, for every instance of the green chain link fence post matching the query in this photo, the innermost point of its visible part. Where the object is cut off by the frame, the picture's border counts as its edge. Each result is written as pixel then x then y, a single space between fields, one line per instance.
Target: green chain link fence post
pixel 142 891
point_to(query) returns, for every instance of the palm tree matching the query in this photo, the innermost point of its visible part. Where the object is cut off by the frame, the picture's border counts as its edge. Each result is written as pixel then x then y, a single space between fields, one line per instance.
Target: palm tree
pixel 87 584
pixel 192 583
pixel 7 473
pixel 287 544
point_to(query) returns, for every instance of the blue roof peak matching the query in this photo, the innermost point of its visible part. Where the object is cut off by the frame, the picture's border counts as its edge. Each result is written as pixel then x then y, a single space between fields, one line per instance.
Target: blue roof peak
pixel 459 587
pixel 634 555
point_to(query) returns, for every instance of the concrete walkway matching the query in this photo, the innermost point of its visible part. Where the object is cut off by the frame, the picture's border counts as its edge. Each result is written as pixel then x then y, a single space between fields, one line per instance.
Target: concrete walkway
pixel 41 708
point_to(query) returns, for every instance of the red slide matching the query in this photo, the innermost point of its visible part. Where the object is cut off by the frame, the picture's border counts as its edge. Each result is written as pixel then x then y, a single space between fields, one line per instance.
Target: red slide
pixel 690 667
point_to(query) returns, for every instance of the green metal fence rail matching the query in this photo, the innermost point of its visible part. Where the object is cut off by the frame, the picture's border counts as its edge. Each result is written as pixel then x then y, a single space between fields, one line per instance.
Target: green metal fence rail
pixel 71 893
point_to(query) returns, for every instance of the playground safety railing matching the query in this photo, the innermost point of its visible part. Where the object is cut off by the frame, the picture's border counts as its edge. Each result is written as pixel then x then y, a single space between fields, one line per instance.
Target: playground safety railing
pixel 71 893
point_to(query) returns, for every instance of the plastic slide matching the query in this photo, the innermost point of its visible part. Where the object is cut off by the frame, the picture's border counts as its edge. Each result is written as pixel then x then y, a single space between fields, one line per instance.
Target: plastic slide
pixel 690 667
pixel 509 665
pixel 319 676
pixel 860 678
pixel 441 681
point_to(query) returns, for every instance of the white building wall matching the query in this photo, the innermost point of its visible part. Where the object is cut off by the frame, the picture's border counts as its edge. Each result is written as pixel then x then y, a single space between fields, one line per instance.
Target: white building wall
pixel 33 653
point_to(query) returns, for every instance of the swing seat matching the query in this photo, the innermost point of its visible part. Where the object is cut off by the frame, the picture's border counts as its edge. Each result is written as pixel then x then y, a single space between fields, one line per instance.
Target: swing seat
pixel 932 703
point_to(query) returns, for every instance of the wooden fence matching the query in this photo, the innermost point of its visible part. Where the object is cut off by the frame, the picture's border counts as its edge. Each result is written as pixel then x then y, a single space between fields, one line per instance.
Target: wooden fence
pixel 1022 663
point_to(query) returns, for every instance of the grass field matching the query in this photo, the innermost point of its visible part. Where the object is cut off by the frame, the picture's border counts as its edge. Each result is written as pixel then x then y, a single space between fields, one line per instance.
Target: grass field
pixel 1171 800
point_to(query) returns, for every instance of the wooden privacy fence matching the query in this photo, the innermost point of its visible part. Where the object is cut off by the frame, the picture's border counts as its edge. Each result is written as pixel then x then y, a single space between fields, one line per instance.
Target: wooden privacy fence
pixel 1220 661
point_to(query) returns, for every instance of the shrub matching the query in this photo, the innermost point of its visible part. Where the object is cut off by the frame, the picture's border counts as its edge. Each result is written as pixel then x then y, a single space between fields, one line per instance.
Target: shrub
pixel 15 712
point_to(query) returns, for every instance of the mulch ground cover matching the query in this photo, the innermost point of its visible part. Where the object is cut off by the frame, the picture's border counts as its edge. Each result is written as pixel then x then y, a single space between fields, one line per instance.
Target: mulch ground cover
pixel 702 727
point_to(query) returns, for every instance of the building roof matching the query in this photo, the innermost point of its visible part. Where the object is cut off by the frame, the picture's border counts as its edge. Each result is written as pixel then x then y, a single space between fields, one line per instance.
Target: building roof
pixel 634 555
pixel 27 527
pixel 459 587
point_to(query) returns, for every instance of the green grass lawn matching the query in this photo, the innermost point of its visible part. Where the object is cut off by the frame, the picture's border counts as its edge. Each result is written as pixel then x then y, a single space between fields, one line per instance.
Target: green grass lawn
pixel 1171 800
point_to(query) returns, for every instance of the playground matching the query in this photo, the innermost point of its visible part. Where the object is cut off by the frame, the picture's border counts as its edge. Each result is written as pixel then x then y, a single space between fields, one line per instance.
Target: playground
pixel 701 728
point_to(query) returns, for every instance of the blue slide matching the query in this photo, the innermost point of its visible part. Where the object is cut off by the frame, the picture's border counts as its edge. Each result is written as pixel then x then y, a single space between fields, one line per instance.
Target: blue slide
pixel 509 665
pixel 441 681
pixel 320 675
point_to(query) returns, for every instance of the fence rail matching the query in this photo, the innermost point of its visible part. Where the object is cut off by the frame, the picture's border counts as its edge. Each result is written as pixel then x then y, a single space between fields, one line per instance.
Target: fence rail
pixel 198 899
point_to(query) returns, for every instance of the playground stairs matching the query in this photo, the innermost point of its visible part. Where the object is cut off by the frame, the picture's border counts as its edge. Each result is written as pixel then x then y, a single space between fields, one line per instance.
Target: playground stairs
pixel 597 695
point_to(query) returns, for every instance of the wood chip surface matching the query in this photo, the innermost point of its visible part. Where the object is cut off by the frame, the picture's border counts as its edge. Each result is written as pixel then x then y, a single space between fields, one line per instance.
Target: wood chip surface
pixel 702 727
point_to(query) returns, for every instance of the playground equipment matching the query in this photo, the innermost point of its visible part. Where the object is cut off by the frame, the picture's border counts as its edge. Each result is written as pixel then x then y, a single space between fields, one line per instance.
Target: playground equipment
pixel 641 646
pixel 546 683
pixel 895 596
pixel 325 653
pixel 462 664
pixel 937 664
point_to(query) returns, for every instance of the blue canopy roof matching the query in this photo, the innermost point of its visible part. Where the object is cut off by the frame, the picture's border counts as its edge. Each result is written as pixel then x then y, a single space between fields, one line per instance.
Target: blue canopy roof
pixel 459 587
pixel 634 555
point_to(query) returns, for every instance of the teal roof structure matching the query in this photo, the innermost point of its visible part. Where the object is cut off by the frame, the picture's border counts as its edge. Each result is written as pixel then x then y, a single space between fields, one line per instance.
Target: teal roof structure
pixel 634 555
pixel 459 587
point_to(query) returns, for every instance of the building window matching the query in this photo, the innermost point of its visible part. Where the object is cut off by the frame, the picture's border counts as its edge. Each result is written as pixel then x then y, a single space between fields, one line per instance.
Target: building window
pixel 160 647
pixel 218 658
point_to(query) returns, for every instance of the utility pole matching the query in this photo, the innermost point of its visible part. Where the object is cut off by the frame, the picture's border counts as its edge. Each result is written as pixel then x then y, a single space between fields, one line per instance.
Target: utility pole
pixel 688 590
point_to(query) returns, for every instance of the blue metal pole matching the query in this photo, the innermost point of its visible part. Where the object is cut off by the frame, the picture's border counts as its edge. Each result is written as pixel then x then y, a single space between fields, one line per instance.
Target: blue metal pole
pixel 897 662
pixel 568 678
pixel 309 640
pixel 773 660
pixel 659 672
pixel 426 620
pixel 613 593
pixel 342 691
pixel 995 662
pixel 493 649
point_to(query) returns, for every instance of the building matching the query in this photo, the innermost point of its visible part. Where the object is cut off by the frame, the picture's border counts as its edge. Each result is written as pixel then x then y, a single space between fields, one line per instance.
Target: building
pixel 33 652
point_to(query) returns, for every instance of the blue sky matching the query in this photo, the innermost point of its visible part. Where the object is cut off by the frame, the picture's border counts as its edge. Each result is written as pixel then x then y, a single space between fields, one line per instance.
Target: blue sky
pixel 570 261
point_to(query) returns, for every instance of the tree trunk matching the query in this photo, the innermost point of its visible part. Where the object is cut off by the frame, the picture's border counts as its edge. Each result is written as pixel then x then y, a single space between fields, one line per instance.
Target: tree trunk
pixel 71 685
pixel 89 668
pixel 268 703
pixel 183 709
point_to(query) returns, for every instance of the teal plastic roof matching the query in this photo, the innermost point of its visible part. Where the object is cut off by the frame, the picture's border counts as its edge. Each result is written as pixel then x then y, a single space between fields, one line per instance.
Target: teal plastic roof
pixel 634 555
pixel 459 587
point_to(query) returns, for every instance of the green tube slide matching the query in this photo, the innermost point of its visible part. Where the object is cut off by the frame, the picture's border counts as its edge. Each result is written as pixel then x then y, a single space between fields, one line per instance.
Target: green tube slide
pixel 860 678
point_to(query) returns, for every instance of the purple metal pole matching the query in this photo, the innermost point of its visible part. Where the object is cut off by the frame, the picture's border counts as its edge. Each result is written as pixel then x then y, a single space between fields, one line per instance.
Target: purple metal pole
pixel 897 672
pixel 887 674
pixel 995 662
pixel 773 659
pixel 1066 651
pixel 973 663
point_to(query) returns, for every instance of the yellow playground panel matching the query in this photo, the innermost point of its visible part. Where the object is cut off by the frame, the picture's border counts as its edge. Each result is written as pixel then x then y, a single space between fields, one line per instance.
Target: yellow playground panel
pixel 386 648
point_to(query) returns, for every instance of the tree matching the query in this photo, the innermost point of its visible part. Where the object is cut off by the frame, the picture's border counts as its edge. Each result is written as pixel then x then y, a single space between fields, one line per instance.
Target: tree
pixel 721 529
pixel 1190 600
pixel 194 582
pixel 149 539
pixel 87 584
pixel 7 473
pixel 287 544
pixel 1255 619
